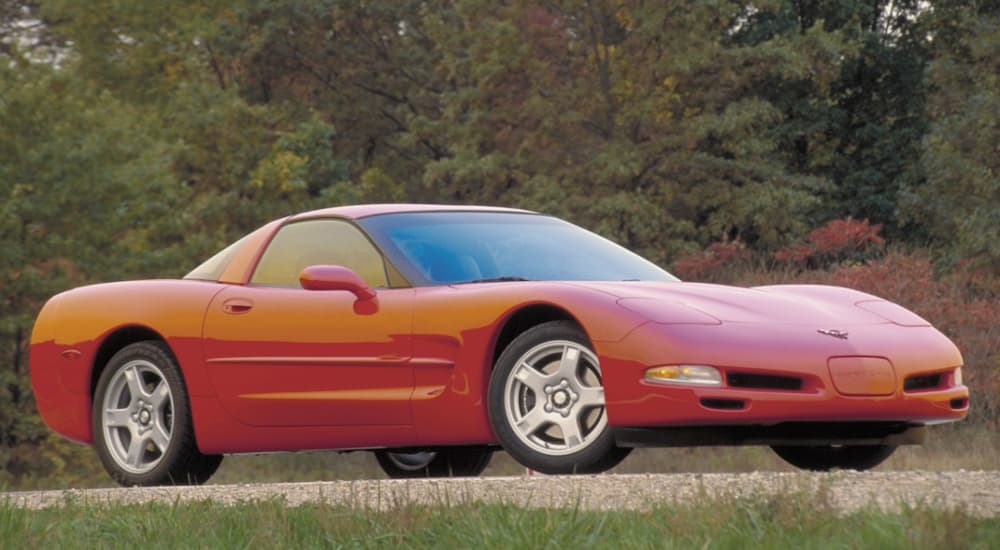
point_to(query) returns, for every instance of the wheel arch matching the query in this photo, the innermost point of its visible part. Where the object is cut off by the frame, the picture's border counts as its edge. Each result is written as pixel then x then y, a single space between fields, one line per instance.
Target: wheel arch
pixel 522 319
pixel 115 342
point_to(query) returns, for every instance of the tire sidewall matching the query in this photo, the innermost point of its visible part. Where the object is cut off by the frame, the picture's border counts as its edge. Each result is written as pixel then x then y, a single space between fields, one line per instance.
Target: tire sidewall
pixel 586 460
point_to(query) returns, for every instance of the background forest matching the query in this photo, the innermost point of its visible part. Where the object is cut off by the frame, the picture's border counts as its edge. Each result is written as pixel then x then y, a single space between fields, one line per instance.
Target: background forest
pixel 851 142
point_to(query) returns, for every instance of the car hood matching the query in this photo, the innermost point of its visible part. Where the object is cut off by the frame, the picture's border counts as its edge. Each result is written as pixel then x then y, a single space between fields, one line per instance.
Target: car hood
pixel 699 303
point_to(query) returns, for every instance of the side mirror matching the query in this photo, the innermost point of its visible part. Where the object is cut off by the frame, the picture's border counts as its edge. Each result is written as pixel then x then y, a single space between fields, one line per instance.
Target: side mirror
pixel 335 277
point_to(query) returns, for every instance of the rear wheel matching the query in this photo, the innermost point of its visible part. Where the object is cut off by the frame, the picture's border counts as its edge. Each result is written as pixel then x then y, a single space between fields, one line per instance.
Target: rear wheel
pixel 142 422
pixel 546 402
pixel 447 462
pixel 828 457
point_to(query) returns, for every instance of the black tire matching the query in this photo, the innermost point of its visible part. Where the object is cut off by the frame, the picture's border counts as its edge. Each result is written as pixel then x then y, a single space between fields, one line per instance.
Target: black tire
pixel 828 457
pixel 141 392
pixel 203 469
pixel 546 403
pixel 446 462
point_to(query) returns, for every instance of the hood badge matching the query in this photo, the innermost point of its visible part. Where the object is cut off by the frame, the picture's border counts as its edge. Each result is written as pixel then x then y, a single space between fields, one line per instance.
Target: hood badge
pixel 842 334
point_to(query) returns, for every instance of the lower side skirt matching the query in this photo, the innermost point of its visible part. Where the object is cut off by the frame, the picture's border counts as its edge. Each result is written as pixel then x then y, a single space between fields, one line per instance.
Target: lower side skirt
pixel 787 433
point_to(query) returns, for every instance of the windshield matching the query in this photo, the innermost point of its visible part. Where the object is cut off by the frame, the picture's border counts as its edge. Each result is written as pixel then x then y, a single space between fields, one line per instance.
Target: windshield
pixel 465 247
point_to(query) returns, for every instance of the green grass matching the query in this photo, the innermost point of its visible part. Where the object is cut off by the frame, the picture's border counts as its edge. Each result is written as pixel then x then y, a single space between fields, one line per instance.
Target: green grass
pixel 792 520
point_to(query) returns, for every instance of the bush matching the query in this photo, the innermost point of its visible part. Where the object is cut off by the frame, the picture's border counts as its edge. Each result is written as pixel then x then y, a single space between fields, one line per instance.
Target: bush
pixel 709 263
pixel 834 242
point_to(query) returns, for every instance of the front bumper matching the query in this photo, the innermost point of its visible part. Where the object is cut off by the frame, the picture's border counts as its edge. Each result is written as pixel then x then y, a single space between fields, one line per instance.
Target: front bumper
pixel 780 351
pixel 786 433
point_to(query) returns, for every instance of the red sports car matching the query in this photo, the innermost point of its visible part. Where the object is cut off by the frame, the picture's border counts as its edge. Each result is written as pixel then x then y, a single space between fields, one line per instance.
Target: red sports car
pixel 435 334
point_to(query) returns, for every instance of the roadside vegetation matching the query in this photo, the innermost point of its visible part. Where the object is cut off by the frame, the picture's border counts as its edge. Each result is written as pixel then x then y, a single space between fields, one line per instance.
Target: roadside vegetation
pixel 789 520
pixel 849 143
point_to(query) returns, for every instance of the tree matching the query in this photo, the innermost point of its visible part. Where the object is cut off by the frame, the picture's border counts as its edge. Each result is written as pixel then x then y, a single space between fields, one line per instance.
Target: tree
pixel 960 204
pixel 81 181
pixel 637 119
pixel 859 126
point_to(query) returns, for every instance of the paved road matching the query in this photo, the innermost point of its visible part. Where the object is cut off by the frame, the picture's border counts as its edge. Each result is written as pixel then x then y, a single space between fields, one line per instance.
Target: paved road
pixel 976 491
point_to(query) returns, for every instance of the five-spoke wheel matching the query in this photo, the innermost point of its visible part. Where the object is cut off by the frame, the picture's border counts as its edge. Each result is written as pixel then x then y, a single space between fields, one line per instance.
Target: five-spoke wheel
pixel 138 416
pixel 141 420
pixel 546 402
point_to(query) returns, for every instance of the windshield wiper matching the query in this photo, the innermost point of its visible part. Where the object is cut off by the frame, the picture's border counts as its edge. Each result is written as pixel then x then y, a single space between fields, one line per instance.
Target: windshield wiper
pixel 505 279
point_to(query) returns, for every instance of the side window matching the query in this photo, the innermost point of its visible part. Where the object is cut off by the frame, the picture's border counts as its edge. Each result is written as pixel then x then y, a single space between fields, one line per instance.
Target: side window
pixel 318 242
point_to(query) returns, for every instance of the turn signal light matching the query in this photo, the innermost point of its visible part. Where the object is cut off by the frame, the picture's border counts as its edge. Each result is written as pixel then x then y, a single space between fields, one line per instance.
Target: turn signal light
pixel 958 376
pixel 691 375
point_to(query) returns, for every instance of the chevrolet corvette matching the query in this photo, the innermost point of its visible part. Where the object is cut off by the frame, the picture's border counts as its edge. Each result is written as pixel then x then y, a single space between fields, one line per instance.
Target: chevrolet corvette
pixel 436 335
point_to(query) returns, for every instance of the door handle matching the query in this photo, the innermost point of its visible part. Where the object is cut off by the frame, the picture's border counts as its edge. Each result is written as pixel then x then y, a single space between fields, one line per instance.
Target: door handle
pixel 236 306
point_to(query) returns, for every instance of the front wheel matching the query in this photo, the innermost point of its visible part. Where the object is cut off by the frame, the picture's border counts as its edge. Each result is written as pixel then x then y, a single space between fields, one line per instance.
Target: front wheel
pixel 447 462
pixel 546 402
pixel 141 421
pixel 828 457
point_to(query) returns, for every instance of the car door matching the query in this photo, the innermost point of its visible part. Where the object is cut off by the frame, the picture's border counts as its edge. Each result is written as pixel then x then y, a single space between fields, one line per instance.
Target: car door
pixel 280 355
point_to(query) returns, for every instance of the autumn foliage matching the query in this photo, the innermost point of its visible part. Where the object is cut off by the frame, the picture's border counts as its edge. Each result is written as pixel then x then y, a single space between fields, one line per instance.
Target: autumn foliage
pixel 834 241
pixel 717 256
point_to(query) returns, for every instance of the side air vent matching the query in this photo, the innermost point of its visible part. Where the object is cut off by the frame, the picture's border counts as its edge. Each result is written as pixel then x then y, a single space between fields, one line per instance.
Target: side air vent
pixel 763 381
pixel 922 382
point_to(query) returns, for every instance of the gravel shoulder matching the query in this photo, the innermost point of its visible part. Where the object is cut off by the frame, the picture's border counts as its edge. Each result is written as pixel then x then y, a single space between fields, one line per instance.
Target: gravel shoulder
pixel 978 492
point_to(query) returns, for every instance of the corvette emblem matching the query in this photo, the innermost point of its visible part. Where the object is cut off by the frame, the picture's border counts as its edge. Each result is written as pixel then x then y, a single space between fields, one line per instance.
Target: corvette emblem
pixel 842 334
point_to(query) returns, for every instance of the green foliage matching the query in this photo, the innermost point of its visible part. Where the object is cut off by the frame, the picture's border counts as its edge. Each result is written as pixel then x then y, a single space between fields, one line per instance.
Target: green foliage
pixel 960 204
pixel 854 114
pixel 73 160
pixel 462 102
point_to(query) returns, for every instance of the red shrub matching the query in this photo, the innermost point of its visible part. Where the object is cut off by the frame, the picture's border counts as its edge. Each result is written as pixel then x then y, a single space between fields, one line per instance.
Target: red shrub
pixel 705 264
pixel 834 241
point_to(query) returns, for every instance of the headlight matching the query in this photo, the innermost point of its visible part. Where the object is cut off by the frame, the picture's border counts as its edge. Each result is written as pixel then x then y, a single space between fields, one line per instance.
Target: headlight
pixel 958 376
pixel 689 375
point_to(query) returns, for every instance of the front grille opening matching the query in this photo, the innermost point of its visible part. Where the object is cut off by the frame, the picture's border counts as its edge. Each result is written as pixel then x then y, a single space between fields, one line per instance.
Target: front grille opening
pixel 723 404
pixel 959 403
pixel 922 382
pixel 763 381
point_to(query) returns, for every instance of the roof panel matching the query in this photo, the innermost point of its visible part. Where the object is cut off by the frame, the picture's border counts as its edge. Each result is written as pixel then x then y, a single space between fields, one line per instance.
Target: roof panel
pixel 364 210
